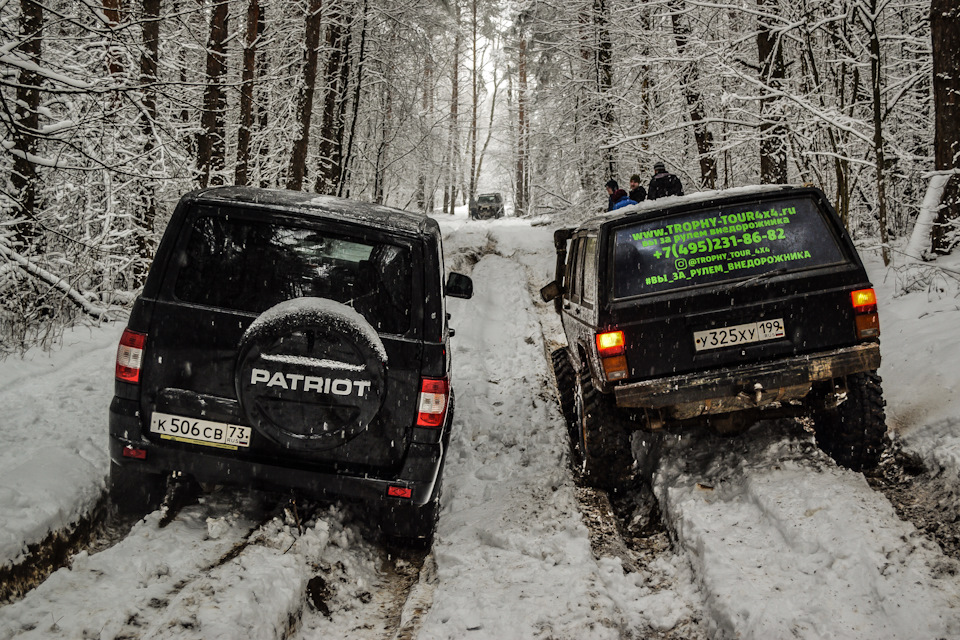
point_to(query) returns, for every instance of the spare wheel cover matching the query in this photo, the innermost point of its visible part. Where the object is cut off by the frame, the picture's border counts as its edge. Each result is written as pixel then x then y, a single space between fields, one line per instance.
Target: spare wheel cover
pixel 310 373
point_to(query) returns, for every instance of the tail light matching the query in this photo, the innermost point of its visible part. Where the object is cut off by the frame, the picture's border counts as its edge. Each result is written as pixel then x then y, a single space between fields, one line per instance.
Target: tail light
pixel 864 303
pixel 611 348
pixel 130 356
pixel 396 491
pixel 434 394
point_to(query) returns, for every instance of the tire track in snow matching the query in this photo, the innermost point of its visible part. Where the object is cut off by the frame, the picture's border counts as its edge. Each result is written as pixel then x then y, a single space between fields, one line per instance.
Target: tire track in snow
pixel 213 572
pixel 786 544
pixel 513 556
pixel 123 587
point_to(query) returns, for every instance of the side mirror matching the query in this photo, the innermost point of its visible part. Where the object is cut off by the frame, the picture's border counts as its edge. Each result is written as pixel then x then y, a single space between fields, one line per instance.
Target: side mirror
pixel 551 291
pixel 459 286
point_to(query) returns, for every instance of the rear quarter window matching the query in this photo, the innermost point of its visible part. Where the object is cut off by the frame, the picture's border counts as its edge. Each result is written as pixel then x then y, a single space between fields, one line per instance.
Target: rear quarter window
pixel 239 264
pixel 715 245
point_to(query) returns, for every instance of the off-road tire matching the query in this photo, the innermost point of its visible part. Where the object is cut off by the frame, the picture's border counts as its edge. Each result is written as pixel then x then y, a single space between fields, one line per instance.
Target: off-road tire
pixel 603 456
pixel 852 434
pixel 566 385
pixel 134 492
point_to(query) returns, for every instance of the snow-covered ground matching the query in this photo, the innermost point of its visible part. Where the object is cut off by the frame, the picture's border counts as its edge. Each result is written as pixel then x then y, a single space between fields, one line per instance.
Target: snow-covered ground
pixel 771 539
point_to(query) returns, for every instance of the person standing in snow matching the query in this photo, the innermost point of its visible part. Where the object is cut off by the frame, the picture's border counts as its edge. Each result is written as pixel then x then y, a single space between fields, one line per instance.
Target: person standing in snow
pixel 637 193
pixel 620 199
pixel 663 183
pixel 612 188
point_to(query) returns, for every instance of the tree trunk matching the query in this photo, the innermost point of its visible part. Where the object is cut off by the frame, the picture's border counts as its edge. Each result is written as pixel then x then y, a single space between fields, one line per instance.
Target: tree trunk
pixel 146 209
pixel 246 93
pixel 606 114
pixel 689 78
pixel 520 200
pixel 331 142
pixel 425 189
pixel 298 158
pixel 870 22
pixel 472 188
pixel 113 12
pixel 945 35
pixel 773 131
pixel 211 146
pixel 453 143
pixel 26 232
pixel 357 93
pixel 263 111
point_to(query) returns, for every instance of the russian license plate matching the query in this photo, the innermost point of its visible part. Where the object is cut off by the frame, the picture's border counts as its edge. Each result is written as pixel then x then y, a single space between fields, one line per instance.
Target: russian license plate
pixel 739 334
pixel 205 432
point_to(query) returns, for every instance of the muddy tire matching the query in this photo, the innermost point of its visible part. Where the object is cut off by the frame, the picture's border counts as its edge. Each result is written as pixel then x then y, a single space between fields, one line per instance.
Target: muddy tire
pixel 566 386
pixel 134 492
pixel 603 457
pixel 852 434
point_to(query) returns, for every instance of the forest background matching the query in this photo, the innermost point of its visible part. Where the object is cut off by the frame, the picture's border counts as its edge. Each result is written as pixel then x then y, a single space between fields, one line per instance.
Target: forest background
pixel 112 109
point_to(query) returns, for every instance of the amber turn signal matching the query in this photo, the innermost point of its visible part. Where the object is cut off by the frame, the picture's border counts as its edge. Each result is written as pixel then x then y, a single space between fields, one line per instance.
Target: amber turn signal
pixel 864 303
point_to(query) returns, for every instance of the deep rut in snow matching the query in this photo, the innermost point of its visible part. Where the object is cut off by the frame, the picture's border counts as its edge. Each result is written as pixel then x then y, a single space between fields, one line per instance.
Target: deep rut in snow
pixel 55 551
pixel 927 498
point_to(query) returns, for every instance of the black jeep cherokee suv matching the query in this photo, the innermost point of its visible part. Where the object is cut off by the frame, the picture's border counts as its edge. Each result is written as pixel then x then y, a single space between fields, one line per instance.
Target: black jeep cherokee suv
pixel 720 308
pixel 293 341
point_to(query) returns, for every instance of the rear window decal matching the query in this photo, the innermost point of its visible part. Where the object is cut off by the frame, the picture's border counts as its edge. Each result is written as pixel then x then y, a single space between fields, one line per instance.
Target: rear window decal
pixel 714 245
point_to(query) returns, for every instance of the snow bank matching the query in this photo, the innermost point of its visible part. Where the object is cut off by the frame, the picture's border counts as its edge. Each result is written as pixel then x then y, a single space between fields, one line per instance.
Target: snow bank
pixel 53 433
pixel 786 544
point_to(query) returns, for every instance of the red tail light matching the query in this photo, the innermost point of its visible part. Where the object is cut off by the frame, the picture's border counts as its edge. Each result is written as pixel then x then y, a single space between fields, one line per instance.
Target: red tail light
pixel 611 347
pixel 130 356
pixel 136 454
pixel 434 394
pixel 399 492
pixel 864 303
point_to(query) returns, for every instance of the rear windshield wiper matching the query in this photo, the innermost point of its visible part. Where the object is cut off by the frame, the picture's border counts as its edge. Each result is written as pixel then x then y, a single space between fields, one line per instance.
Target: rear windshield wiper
pixel 759 277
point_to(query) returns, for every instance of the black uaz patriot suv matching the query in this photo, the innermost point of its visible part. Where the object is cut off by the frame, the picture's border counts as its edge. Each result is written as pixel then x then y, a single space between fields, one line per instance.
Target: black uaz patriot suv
pixel 720 308
pixel 293 341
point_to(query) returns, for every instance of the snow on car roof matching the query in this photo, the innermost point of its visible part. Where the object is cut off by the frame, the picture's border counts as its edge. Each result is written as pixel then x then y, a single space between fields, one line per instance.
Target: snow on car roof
pixel 365 213
pixel 675 202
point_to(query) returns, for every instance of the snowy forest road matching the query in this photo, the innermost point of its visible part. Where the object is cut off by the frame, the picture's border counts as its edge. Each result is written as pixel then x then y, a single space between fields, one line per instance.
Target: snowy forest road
pixel 762 536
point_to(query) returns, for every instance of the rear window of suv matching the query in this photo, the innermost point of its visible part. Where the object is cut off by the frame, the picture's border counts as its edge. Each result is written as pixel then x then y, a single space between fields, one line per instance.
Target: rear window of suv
pixel 245 265
pixel 715 245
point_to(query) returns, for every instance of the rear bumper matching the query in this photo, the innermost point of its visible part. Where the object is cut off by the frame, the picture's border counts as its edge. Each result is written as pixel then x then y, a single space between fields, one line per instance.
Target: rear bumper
pixel 746 387
pixel 420 471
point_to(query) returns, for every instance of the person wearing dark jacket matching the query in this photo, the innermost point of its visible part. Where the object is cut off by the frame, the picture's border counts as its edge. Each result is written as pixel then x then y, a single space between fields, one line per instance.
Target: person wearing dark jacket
pixel 612 188
pixel 637 193
pixel 663 183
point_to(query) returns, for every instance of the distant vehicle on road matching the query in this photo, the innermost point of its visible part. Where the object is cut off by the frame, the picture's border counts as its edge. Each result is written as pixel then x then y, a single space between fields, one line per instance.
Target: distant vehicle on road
pixel 489 205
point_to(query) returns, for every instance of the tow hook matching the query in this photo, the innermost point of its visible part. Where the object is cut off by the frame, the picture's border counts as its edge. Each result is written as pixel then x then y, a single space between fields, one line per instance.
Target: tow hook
pixel 756 397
